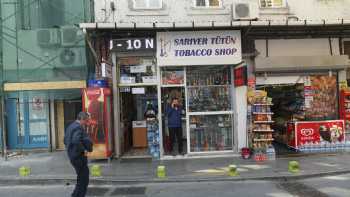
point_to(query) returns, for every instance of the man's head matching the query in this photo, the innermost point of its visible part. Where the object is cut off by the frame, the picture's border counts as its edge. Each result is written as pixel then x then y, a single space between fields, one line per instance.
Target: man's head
pixel 83 117
pixel 175 101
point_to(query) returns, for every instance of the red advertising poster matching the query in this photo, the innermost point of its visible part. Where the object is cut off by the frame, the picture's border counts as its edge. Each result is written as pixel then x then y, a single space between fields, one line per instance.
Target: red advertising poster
pixel 240 76
pixel 317 131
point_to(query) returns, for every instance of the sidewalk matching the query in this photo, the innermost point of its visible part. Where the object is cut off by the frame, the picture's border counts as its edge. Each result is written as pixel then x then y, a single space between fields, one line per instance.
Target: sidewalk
pixel 54 168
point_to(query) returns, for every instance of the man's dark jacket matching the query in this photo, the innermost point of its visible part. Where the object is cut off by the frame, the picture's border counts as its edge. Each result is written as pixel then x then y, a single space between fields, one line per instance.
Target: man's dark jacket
pixel 76 140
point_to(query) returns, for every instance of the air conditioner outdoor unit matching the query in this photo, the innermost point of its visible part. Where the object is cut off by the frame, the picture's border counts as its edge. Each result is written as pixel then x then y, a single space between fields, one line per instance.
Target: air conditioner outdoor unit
pixel 245 11
pixel 70 36
pixel 72 57
pixel 48 37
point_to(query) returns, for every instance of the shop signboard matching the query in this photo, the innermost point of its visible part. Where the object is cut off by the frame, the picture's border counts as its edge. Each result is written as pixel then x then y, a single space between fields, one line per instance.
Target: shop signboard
pixel 106 69
pixel 133 44
pixel 199 48
pixel 318 132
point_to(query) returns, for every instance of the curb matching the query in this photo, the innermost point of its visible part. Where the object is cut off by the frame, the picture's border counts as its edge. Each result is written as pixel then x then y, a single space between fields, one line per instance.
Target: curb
pixel 114 181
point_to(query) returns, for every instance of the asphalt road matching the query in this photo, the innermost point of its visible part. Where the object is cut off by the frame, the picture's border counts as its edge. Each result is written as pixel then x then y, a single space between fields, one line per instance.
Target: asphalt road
pixel 334 186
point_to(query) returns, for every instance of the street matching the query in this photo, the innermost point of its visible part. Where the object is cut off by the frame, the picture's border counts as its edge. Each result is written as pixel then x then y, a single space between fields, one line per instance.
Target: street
pixel 331 186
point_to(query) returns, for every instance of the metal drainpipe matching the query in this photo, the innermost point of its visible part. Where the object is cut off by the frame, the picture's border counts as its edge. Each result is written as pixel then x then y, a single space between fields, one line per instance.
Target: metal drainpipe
pixel 3 129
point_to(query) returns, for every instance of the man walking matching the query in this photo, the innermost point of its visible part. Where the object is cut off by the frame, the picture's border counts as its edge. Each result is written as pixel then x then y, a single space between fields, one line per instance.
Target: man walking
pixel 173 112
pixel 77 142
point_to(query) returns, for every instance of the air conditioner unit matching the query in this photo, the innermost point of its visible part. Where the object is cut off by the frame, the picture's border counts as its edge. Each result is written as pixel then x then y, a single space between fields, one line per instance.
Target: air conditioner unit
pixel 245 11
pixel 72 57
pixel 70 36
pixel 48 37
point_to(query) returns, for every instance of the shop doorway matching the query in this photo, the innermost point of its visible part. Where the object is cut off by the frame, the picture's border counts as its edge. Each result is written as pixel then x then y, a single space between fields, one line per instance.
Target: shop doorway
pixel 137 105
pixel 288 106
pixel 65 113
pixel 314 98
pixel 168 93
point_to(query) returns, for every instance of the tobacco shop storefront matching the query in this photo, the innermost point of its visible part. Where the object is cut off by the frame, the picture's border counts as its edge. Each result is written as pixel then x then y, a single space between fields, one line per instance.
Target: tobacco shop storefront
pixel 194 67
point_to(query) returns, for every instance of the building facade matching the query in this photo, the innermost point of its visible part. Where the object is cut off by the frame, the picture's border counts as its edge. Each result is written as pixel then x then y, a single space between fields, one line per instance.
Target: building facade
pixel 44 66
pixel 158 50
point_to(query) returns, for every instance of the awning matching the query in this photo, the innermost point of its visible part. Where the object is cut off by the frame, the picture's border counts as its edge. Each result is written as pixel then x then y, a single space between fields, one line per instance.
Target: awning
pixel 301 63
pixel 211 24
pixel 54 85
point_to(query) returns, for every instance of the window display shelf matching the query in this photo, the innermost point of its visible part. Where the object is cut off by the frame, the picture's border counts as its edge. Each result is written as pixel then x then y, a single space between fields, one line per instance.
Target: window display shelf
pixel 201 86
pixel 173 85
pixel 210 113
pixel 263 130
pixel 267 113
pixel 136 84
pixel 258 122
pixel 262 140
pixel 264 104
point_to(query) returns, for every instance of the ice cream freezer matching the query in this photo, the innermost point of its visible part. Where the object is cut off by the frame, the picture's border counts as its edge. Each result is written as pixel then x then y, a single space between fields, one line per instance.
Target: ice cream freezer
pixel 320 136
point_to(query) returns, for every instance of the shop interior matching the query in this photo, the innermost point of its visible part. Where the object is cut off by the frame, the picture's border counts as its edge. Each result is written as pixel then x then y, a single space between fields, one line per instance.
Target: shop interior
pixel 134 123
pixel 138 107
pixel 313 100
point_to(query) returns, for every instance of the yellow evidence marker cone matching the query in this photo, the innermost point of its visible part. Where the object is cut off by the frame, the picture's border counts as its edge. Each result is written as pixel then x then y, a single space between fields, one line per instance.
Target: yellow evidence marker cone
pixel 232 170
pixel 161 172
pixel 96 170
pixel 24 171
pixel 293 167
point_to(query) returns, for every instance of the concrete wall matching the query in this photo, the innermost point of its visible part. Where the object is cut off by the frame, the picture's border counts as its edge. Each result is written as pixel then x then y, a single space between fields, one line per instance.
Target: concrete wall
pixel 182 11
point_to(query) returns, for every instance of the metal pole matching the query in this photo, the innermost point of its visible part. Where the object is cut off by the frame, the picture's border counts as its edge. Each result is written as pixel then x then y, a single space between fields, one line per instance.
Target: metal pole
pixel 4 136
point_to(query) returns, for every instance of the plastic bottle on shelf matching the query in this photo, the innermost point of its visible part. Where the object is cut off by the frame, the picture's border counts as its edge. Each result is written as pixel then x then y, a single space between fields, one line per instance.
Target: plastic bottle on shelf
pixel 302 148
pixel 347 146
pixel 273 153
pixel 307 147
pixel 332 147
pixel 342 146
pixel 316 147
pixel 337 147
pixel 322 146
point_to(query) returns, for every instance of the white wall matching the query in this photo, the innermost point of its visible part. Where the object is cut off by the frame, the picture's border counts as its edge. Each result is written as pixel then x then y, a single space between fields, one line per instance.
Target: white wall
pixel 297 47
pixel 182 11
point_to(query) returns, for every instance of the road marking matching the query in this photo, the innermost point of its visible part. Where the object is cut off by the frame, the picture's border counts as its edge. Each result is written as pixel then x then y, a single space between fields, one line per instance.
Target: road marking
pixel 255 167
pixel 326 164
pixel 337 178
pixel 279 194
pixel 336 191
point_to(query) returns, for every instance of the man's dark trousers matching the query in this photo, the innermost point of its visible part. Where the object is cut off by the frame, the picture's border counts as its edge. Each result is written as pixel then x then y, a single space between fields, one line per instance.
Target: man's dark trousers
pixel 82 170
pixel 176 132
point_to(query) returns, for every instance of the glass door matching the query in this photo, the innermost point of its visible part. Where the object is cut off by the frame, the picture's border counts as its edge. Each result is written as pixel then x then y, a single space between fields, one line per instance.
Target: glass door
pixel 28 122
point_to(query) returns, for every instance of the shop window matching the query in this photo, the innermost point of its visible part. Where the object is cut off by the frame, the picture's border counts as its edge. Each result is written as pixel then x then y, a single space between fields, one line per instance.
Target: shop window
pixel 207 3
pixel 208 89
pixel 147 4
pixel 273 3
pixel 137 70
pixel 210 133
